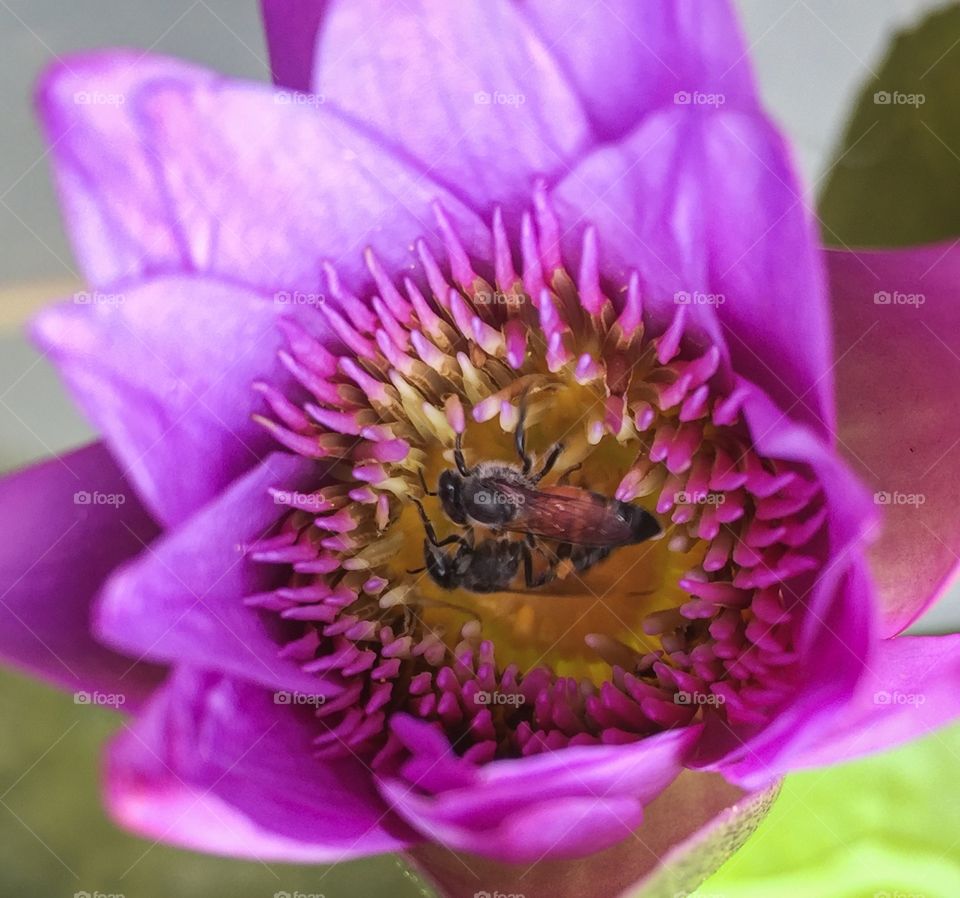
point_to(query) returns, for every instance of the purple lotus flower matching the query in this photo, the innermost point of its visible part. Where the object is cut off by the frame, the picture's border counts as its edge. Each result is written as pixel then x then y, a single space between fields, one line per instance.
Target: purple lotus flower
pixel 310 292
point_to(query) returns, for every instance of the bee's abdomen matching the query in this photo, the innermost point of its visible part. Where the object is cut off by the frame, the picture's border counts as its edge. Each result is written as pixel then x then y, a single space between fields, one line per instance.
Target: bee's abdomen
pixel 642 524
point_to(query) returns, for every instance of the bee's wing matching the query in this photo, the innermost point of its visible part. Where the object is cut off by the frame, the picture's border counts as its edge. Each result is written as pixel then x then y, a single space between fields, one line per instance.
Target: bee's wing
pixel 568 514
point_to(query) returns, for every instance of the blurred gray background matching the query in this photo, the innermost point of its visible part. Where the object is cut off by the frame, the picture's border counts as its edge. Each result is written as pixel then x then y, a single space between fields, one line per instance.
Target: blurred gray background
pixel 811 56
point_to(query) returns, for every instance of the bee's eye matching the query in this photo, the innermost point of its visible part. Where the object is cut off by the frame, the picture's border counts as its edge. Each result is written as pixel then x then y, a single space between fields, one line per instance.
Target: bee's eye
pixel 449 490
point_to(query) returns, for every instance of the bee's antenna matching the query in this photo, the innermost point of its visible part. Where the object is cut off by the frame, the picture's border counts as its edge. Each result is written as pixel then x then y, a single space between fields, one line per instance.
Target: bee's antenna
pixel 520 433
pixel 431 533
pixel 458 456
pixel 564 478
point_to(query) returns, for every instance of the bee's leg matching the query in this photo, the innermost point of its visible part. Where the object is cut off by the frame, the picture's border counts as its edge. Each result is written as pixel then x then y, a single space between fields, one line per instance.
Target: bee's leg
pixel 549 463
pixel 520 437
pixel 423 483
pixel 432 534
pixel 548 576
pixel 562 561
pixel 549 573
pixel 528 578
pixel 564 478
pixel 458 457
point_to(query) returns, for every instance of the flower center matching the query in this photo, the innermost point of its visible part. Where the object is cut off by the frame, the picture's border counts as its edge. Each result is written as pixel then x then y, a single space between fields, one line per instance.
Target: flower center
pixel 551 623
pixel 584 639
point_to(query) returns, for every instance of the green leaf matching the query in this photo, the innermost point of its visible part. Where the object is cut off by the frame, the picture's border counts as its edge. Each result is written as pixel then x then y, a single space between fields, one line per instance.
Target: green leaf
pixel 896 178
pixel 883 826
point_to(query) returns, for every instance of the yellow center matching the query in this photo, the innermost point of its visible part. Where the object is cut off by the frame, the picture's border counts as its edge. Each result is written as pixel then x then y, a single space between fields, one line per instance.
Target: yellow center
pixel 548 625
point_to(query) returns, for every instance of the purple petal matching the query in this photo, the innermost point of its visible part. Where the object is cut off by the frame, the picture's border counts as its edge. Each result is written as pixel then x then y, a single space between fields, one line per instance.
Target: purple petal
pixel 182 601
pixel 897 318
pixel 910 688
pixel 563 804
pixel 193 172
pixel 687 832
pixel 119 221
pixel 705 205
pixel 265 188
pixel 215 765
pixel 627 58
pixel 66 524
pixel 165 370
pixel 291 27
pixel 468 89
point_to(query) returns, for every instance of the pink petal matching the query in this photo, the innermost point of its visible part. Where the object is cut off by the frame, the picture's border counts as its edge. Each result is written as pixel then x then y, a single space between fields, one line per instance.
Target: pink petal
pixel 215 765
pixel 912 686
pixel 627 58
pixel 563 804
pixel 182 601
pixel 164 370
pixel 897 322
pixel 705 204
pixel 66 524
pixel 118 218
pixel 687 832
pixel 266 188
pixel 468 89
pixel 194 172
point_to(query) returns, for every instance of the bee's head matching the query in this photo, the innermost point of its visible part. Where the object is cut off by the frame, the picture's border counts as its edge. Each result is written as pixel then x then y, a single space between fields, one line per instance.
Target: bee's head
pixel 450 490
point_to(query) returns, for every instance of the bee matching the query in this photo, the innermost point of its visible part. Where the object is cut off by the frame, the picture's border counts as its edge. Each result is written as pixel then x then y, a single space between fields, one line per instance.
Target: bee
pixel 506 497
pixel 494 564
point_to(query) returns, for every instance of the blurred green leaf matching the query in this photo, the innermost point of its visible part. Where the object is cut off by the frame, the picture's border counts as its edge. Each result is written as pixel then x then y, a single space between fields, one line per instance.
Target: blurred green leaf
pixel 878 828
pixel 56 840
pixel 896 180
